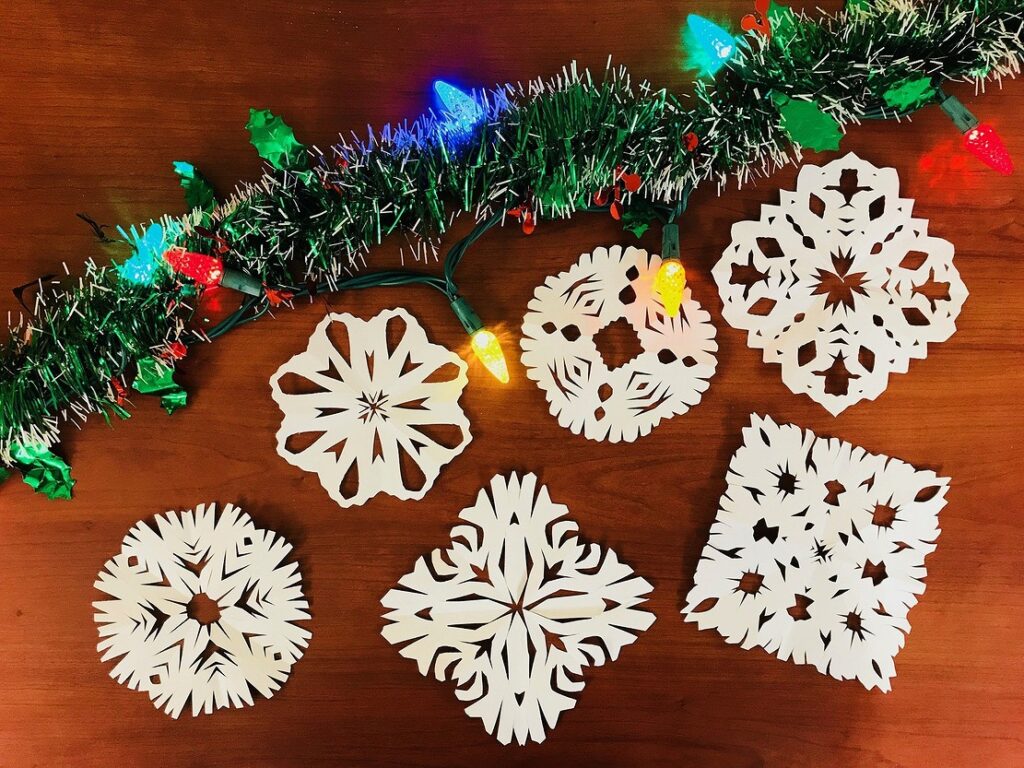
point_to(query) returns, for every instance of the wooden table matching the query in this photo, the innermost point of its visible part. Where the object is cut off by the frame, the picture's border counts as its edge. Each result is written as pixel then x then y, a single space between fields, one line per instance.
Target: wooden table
pixel 98 99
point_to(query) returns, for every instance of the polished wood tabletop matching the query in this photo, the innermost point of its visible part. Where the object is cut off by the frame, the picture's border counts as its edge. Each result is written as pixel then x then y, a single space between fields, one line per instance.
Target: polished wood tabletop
pixel 98 98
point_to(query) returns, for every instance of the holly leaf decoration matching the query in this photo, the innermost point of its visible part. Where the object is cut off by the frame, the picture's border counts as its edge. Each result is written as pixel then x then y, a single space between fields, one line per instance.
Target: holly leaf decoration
pixel 807 124
pixel 275 140
pixel 198 191
pixel 44 471
pixel 910 93
pixel 858 5
pixel 553 196
pixel 155 377
pixel 782 21
pixel 638 216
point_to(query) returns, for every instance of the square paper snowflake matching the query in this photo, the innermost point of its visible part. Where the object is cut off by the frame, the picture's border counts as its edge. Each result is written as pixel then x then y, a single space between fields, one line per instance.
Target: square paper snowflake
pixel 839 284
pixel 817 554
pixel 515 609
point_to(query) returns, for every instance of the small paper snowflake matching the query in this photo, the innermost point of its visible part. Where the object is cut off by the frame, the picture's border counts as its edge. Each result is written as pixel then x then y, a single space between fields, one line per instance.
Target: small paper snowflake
pixel 839 284
pixel 515 609
pixel 202 610
pixel 817 554
pixel 372 406
pixel 585 393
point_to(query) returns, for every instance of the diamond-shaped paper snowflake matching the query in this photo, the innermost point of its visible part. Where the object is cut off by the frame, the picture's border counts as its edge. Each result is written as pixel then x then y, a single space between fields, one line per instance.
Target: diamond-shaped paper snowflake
pixel 515 609
pixel 817 554
pixel 839 283
pixel 202 609
pixel 585 394
pixel 372 406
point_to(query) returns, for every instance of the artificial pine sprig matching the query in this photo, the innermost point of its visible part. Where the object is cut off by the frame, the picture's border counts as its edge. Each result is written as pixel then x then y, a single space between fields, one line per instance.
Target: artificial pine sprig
pixel 543 150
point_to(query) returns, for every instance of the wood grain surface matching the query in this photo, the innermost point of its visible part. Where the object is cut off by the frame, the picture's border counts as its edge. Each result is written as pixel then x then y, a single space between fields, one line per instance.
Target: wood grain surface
pixel 98 98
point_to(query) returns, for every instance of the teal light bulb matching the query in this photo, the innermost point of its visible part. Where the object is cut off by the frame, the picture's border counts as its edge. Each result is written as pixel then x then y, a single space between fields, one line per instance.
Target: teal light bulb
pixel 716 45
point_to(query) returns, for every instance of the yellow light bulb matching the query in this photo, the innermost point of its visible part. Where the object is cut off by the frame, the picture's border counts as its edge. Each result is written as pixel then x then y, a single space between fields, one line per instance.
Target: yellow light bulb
pixel 669 285
pixel 488 351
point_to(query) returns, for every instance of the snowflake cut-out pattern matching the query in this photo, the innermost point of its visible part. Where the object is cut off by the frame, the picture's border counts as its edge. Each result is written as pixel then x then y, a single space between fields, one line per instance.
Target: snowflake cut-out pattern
pixel 817 554
pixel 585 394
pixel 372 406
pixel 248 640
pixel 515 610
pixel 839 284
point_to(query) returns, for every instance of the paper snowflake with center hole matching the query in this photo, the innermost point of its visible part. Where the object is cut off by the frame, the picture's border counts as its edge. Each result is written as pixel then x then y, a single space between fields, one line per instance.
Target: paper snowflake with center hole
pixel 588 395
pixel 839 284
pixel 202 609
pixel 372 406
pixel 817 554
pixel 515 609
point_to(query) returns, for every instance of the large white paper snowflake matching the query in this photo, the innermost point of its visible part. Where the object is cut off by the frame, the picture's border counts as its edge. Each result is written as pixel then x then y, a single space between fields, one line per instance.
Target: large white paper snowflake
pixel 372 406
pixel 585 394
pixel 839 284
pixel 817 554
pixel 202 609
pixel 515 609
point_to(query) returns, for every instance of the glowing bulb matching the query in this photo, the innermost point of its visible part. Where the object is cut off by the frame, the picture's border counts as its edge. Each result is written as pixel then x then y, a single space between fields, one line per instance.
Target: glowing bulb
pixel 984 143
pixel 203 269
pixel 488 351
pixel 669 285
pixel 461 109
pixel 715 45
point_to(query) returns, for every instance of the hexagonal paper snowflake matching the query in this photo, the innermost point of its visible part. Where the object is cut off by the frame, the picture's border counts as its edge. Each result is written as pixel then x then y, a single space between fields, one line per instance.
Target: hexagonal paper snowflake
pixel 203 609
pixel 587 395
pixel 839 284
pixel 515 609
pixel 372 406
pixel 818 552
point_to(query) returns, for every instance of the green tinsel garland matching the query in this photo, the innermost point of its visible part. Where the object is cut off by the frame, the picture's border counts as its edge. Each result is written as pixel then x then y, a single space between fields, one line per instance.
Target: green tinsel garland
pixel 549 146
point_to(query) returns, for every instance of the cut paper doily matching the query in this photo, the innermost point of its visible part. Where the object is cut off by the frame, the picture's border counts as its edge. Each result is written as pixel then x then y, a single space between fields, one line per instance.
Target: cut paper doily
pixel 372 406
pixel 202 609
pixel 515 609
pixel 839 283
pixel 817 554
pixel 585 394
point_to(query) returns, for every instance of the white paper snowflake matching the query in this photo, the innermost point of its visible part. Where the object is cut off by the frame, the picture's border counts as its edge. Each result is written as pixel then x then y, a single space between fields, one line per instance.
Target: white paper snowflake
pixel 585 394
pixel 839 284
pixel 372 406
pixel 515 609
pixel 817 554
pixel 203 609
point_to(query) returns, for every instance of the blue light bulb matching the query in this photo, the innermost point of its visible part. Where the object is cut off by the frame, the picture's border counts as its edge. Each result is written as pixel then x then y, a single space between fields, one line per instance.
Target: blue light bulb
pixel 716 45
pixel 148 246
pixel 461 109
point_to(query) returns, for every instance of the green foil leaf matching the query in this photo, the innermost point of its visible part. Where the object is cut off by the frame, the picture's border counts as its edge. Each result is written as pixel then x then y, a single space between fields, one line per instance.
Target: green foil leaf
pixel 275 140
pixel 638 216
pixel 4 473
pixel 782 21
pixel 43 470
pixel 198 191
pixel 806 123
pixel 155 377
pixel 910 93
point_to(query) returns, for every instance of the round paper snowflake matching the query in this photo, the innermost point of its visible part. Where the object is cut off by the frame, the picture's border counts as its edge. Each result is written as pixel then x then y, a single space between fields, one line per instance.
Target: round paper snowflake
pixel 372 406
pixel 516 609
pixel 587 395
pixel 839 284
pixel 202 609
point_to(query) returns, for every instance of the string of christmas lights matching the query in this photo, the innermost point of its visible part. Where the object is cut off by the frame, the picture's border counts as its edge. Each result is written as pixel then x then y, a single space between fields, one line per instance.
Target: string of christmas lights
pixel 517 153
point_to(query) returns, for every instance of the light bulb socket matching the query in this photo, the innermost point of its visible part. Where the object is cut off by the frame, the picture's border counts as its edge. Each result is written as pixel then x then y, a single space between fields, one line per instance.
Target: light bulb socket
pixel 470 320
pixel 670 241
pixel 961 116
pixel 239 281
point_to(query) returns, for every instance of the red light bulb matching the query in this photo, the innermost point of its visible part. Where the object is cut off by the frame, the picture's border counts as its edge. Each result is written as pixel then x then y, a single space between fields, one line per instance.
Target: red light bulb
pixel 203 269
pixel 984 143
